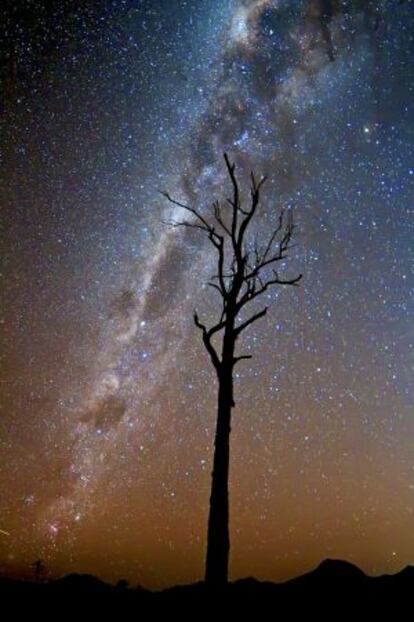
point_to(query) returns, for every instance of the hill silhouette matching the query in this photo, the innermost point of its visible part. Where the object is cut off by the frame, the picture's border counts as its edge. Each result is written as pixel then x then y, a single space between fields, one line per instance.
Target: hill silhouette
pixel 334 590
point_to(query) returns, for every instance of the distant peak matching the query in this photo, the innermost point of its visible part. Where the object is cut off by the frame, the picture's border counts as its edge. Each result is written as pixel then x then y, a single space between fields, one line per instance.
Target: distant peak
pixel 339 567
pixel 408 571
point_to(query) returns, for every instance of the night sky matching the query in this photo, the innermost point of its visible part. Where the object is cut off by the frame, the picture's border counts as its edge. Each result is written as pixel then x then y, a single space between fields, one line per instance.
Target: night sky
pixel 108 396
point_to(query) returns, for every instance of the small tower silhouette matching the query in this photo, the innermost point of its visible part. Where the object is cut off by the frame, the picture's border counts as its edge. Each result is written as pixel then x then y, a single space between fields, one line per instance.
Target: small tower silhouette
pixel 38 570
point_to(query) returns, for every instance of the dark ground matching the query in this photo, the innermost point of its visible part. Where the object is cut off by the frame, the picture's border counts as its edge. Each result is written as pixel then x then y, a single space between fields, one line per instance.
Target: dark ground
pixel 334 591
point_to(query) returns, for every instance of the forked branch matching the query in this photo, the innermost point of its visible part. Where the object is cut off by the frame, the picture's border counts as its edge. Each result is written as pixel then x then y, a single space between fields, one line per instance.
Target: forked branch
pixel 242 274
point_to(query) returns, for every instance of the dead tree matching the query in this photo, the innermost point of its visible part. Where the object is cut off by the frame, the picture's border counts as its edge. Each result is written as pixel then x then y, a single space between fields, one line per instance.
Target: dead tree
pixel 245 270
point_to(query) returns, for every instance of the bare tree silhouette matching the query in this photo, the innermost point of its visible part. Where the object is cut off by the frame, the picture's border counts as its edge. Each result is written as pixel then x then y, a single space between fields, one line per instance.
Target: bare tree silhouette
pixel 245 270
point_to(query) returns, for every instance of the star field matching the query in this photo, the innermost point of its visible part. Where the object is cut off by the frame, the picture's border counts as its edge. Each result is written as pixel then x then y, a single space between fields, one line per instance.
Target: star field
pixel 108 397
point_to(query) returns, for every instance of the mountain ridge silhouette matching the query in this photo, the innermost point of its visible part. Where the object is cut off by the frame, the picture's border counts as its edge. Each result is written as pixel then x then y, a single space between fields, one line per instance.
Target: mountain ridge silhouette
pixel 335 588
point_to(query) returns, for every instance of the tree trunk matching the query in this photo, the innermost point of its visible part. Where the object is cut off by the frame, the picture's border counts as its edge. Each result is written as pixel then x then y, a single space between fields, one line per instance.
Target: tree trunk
pixel 218 542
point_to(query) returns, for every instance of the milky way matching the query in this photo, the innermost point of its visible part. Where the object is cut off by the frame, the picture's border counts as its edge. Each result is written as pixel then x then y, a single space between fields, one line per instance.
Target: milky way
pixel 108 398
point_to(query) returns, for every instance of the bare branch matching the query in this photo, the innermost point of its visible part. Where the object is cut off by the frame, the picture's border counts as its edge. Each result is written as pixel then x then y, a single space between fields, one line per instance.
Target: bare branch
pixel 251 291
pixel 235 202
pixel 216 239
pixel 243 357
pixel 255 200
pixel 273 237
pixel 279 255
pixel 192 210
pixel 219 219
pixel 252 319
pixel 207 342
pixel 184 223
pixel 216 328
pixel 220 267
pixel 215 286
